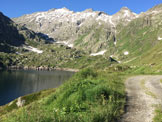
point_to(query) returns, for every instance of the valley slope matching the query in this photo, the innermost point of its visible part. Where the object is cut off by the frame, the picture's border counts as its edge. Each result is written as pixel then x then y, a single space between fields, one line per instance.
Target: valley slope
pixel 90 30
pixel 125 36
pixel 108 49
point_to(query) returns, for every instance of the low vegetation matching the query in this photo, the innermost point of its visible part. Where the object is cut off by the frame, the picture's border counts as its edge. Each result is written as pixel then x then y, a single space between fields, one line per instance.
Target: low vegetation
pixel 158 114
pixel 53 55
pixel 28 100
pixel 89 96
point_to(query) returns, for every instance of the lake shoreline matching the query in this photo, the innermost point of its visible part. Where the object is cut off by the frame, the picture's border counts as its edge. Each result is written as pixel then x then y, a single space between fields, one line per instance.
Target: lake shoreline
pixel 23 82
pixel 41 68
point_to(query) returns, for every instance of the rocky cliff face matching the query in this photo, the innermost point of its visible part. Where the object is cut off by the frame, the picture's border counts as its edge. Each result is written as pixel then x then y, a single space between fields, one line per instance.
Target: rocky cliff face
pixel 124 36
pixel 91 30
pixel 13 35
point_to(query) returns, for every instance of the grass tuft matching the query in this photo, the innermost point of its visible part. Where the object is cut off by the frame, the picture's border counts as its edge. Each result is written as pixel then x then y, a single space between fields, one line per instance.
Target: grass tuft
pixel 89 96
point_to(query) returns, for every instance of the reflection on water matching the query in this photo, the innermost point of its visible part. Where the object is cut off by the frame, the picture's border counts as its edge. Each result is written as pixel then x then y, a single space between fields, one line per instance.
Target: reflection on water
pixel 21 82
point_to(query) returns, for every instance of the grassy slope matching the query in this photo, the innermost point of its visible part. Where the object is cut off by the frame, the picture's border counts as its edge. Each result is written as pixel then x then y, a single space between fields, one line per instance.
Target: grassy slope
pixel 54 56
pixel 96 38
pixel 28 98
pixel 140 39
pixel 88 96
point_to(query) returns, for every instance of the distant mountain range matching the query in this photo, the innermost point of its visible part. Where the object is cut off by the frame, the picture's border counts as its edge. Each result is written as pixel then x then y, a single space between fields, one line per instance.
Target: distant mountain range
pixel 124 36
pixel 90 30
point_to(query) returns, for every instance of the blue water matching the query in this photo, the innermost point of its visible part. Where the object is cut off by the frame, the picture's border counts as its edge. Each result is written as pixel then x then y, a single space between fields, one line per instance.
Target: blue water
pixel 16 83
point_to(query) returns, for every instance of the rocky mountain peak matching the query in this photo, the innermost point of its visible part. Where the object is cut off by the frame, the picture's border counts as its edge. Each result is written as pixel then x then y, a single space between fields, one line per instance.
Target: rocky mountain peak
pixel 4 19
pixel 125 15
pixel 63 9
pixel 125 9
pixel 53 9
pixel 66 26
pixel 99 13
pixel 153 11
pixel 156 8
pixel 66 9
pixel 88 10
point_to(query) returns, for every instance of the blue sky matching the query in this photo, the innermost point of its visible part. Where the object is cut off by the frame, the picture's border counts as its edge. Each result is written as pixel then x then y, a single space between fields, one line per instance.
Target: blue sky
pixel 15 8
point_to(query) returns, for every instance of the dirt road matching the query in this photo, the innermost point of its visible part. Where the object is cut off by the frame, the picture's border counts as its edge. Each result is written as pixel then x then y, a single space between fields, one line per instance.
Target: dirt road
pixel 143 94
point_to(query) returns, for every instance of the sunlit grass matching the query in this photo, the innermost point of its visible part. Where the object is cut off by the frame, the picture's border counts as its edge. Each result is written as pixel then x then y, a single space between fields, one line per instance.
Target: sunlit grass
pixel 89 96
pixel 158 114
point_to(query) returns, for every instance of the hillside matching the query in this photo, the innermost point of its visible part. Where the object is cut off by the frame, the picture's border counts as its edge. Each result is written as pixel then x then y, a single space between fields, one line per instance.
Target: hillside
pixel 91 30
pixel 125 36
pixel 24 48
pixel 13 35
pixel 106 49
pixel 141 38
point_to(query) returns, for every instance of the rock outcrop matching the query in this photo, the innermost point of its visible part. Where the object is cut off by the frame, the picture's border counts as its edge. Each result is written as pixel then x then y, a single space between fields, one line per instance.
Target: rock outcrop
pixel 14 35
pixel 91 30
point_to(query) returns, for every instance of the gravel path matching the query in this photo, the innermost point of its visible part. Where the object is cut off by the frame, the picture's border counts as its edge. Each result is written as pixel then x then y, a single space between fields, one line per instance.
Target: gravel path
pixel 143 93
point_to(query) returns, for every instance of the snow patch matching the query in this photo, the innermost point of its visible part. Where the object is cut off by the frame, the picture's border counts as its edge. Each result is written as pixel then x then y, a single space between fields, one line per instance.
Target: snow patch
pixel 110 21
pixel 111 56
pixel 39 17
pixel 159 38
pixel 103 17
pixel 126 13
pixel 65 43
pixel 99 53
pixel 62 42
pixel 62 11
pixel 30 48
pixel 115 43
pixel 70 45
pixel 136 15
pixel 18 53
pixel 155 12
pixel 126 53
pixel 128 20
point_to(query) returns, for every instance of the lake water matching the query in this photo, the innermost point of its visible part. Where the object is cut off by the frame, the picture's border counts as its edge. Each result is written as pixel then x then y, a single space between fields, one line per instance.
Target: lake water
pixel 16 83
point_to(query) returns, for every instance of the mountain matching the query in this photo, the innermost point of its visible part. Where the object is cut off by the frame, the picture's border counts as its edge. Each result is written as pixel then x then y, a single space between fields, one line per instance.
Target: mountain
pixel 141 36
pixel 23 48
pixel 13 35
pixel 124 36
pixel 91 30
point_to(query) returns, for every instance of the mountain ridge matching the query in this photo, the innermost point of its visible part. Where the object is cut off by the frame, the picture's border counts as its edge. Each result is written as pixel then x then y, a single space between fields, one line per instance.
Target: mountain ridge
pixel 93 34
pixel 75 25
pixel 13 35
